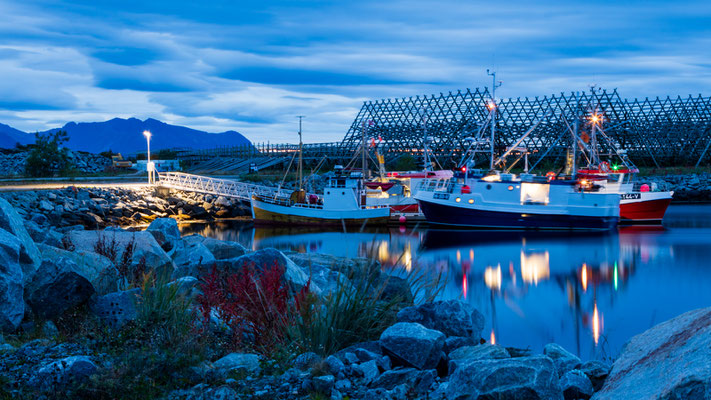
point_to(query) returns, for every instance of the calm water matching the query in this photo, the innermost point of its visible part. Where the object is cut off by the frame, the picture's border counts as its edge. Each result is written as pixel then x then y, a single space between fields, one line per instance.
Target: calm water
pixel 589 293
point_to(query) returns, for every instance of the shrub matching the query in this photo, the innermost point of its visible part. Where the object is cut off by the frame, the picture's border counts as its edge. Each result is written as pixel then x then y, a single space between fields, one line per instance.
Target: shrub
pixel 48 156
pixel 253 305
pixel 122 259
pixel 353 312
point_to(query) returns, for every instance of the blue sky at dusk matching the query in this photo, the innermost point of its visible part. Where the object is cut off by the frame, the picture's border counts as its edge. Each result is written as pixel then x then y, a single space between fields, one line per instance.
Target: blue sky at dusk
pixel 253 66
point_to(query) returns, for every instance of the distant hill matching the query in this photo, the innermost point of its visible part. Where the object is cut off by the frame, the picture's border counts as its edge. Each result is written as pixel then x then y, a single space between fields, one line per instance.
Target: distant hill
pixel 10 136
pixel 126 136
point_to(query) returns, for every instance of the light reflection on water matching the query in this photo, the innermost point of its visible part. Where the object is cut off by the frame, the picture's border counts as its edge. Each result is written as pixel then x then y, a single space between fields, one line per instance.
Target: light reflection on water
pixel 588 292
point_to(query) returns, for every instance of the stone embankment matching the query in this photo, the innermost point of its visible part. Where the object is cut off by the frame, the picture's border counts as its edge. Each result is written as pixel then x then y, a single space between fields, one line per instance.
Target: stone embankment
pixel 95 208
pixel 13 163
pixel 687 188
pixel 433 350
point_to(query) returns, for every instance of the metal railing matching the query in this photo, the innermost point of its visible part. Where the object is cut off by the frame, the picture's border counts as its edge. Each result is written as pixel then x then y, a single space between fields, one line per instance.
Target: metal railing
pixel 219 187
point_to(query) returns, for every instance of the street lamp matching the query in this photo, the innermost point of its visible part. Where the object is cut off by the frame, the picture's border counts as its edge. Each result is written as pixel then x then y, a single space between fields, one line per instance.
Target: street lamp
pixel 149 164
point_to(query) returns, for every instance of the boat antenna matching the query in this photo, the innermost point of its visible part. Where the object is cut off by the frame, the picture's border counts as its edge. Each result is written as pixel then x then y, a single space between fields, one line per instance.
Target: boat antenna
pixel 301 156
pixel 364 132
pixel 492 110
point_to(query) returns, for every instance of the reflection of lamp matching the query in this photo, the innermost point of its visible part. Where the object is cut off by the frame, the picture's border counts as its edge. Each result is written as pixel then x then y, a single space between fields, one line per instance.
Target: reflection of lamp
pixel 584 277
pixel 596 325
pixel 535 267
pixel 492 277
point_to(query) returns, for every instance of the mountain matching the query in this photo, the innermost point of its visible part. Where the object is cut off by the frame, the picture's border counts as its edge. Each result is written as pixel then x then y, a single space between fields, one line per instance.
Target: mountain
pixel 126 136
pixel 10 136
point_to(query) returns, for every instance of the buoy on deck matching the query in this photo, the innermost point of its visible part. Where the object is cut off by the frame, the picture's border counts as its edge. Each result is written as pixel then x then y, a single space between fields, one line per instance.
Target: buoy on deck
pixel 402 219
pixel 644 188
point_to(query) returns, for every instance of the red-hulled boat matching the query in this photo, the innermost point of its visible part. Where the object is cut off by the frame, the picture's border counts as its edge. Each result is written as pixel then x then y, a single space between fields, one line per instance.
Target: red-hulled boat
pixel 640 203
pixel 396 189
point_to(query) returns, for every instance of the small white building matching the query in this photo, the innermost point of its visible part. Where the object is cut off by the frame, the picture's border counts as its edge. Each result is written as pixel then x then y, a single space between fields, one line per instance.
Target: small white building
pixel 160 165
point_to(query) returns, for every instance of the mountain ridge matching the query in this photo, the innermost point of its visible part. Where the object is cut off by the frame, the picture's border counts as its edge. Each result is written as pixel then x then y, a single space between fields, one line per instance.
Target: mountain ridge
pixel 126 136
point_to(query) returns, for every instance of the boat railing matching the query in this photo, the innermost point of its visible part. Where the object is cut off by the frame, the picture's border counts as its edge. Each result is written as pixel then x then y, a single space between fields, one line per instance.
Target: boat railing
pixel 436 185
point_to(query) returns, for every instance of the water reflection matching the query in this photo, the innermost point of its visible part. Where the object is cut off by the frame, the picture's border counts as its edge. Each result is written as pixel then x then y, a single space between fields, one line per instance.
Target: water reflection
pixel 589 292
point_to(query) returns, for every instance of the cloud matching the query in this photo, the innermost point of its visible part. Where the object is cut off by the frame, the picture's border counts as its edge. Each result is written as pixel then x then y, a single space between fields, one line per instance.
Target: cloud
pixel 252 67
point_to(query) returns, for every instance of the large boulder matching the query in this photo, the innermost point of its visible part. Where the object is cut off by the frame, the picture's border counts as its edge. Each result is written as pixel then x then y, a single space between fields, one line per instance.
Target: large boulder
pixel 144 249
pixel 12 305
pixel 165 231
pixel 564 360
pixel 669 361
pixel 238 362
pixel 413 345
pixel 192 259
pixel 57 287
pixel 507 378
pixel 451 317
pixel 221 249
pixel 264 259
pixel 99 270
pixel 467 354
pixel 10 220
pixel 67 371
pixel 118 308
pixel 576 385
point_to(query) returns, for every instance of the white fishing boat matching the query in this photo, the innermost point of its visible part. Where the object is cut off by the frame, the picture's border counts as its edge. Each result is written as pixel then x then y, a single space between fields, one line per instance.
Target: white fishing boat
pixel 508 201
pixel 341 204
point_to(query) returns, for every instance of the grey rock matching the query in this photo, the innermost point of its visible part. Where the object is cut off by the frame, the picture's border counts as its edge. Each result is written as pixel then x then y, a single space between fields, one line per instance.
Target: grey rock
pixel 67 371
pixel 49 330
pixel 668 361
pixel 350 358
pixel 192 260
pixel 57 287
pixel 597 371
pixel 467 354
pixel 165 231
pixel 454 342
pixel 412 344
pixel 576 385
pixel 146 251
pixel 343 385
pixel 451 317
pixel 369 370
pixel 12 305
pixel 46 205
pixel 508 378
pixel 30 257
pixel 6 348
pixel 389 379
pixel 306 360
pixel 563 359
pixel 116 309
pixel 324 384
pixel 222 201
pixel 223 249
pixel 269 258
pixel 240 362
pixel 334 365
pixel 99 270
pixel 365 355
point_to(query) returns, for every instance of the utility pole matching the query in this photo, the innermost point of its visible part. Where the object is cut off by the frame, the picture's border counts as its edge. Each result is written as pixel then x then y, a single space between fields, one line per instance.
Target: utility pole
pixel 301 153
pixel 492 108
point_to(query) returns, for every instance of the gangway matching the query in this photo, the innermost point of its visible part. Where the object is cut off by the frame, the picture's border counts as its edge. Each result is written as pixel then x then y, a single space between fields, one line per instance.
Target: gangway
pixel 218 187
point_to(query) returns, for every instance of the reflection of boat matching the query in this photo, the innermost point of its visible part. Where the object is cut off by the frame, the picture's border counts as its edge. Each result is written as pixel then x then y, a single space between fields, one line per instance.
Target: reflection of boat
pixel 340 205
pixel 441 238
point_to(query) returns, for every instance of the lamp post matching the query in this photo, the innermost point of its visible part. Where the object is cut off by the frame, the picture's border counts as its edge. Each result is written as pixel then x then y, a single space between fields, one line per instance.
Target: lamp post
pixel 149 164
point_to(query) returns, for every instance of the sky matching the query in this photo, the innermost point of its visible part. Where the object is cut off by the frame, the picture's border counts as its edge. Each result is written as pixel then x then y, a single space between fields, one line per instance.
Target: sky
pixel 254 66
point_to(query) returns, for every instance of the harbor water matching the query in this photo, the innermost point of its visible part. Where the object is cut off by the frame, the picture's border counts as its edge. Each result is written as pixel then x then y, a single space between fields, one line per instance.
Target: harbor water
pixel 589 292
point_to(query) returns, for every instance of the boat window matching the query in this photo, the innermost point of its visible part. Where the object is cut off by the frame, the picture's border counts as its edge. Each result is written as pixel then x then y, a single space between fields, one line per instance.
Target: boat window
pixel 534 193
pixel 488 186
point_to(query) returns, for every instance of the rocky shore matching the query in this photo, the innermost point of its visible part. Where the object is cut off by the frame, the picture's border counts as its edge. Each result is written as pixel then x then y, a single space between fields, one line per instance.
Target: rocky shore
pixel 96 208
pixel 13 163
pixel 115 314
pixel 687 188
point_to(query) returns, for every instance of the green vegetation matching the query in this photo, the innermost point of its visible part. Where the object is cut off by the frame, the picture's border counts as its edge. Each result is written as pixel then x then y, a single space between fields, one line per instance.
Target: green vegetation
pixel 405 162
pixel 47 156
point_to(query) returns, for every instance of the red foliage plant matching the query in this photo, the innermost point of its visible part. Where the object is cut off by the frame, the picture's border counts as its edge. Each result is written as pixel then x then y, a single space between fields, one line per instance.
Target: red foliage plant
pixel 254 304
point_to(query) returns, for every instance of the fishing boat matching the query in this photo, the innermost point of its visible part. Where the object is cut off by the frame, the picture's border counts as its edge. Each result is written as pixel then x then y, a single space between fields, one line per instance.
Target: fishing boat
pixel 640 203
pixel 342 202
pixel 494 199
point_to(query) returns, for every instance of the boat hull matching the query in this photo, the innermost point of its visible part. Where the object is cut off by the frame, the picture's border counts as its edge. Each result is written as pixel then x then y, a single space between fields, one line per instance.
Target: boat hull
pixel 644 211
pixel 265 213
pixel 447 215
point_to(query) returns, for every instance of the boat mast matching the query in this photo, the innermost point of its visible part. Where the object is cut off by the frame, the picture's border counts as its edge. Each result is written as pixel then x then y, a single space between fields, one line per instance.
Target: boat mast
pixel 423 111
pixel 365 156
pixel 301 156
pixel 492 109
